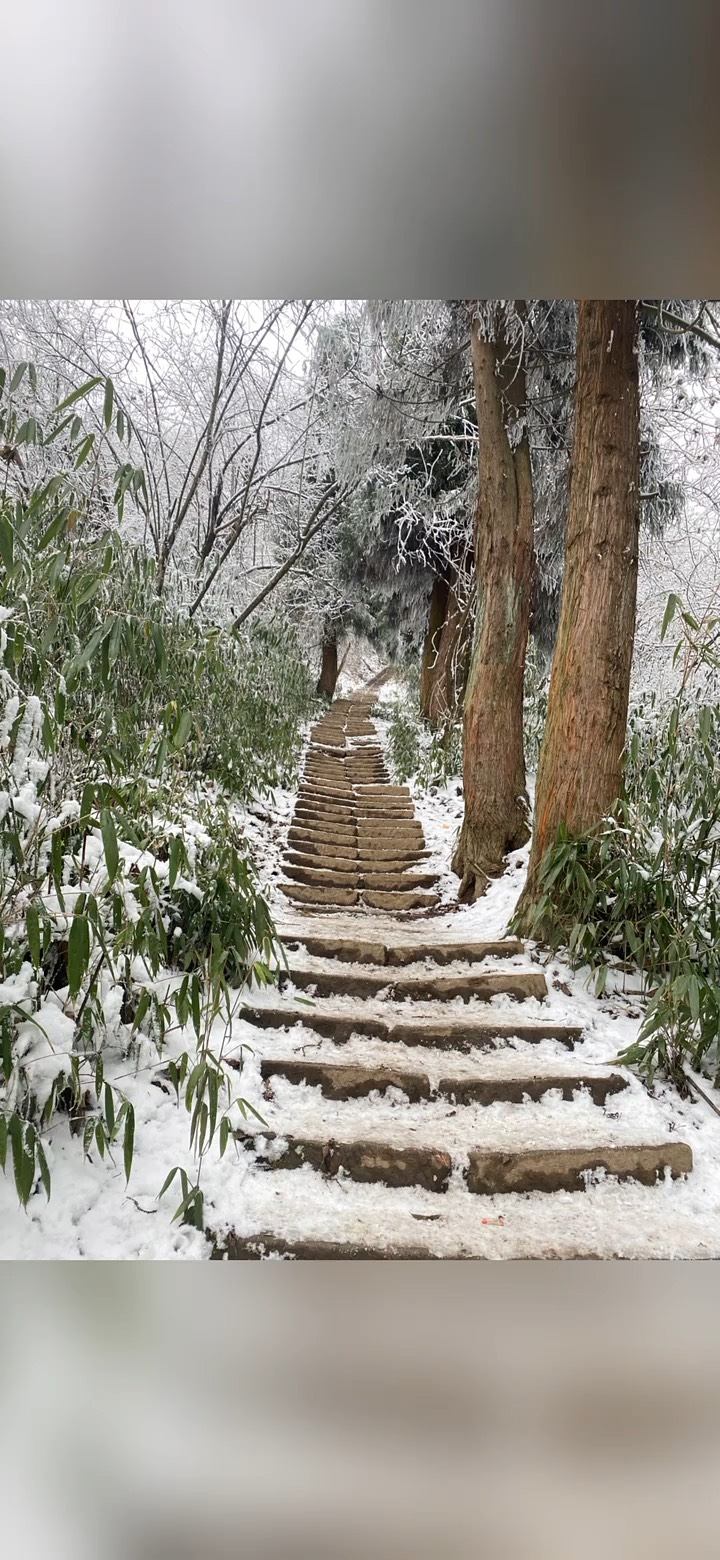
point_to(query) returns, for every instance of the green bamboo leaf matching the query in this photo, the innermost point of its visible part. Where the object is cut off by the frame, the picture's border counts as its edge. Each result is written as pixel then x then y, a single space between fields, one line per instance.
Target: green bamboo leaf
pixel 78 952
pixel 44 1171
pixel 110 844
pixel 673 603
pixel 129 1142
pixel 108 402
pixel 84 450
pixel 168 1182
pixel 182 730
pixel 175 854
pixel 109 1109
pixel 17 377
pixel 32 926
pixel 77 395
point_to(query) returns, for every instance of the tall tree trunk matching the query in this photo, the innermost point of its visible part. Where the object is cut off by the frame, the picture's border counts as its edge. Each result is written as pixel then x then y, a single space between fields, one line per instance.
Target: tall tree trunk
pixel 496 807
pixel 329 668
pixel 451 668
pixel 580 769
pixel 436 621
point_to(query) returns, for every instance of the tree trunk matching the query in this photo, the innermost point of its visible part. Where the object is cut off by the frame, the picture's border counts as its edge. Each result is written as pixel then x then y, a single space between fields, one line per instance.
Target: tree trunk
pixel 448 686
pixel 496 806
pixel 580 769
pixel 329 668
pixel 436 622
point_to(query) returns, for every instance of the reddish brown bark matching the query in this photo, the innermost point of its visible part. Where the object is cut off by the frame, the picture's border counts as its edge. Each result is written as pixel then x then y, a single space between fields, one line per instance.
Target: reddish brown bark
pixel 496 806
pixel 452 663
pixel 580 770
pixel 329 667
pixel 436 621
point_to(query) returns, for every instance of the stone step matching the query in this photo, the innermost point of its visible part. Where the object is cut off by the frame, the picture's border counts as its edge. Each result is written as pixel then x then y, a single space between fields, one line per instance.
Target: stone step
pixel 382 899
pixel 379 808
pixel 565 1169
pixel 513 1090
pixel 314 849
pixel 366 1161
pixel 329 829
pixel 324 792
pixel 359 950
pixel 487 1172
pixel 383 790
pixel 351 876
pixel 332 812
pixel 316 834
pixel 341 1081
pixel 389 834
pixel 323 877
pixel 519 984
pixel 263 1245
pixel 461 1032
pixel 302 894
pixel 334 859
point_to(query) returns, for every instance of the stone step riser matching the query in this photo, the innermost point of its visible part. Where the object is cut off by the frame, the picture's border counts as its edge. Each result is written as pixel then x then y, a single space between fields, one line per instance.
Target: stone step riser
pixel 361 951
pixel 375 898
pixel 257 1248
pixel 333 898
pixel 353 878
pixel 352 1082
pixel 442 1035
pixel 565 1170
pixel 488 1173
pixel 483 988
pixel 364 1162
pixel 353 862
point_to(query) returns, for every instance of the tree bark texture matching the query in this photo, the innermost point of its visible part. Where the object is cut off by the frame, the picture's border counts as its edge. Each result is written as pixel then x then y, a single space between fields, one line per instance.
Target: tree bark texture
pixel 452 663
pixel 580 769
pixel 496 805
pixel 436 622
pixel 329 667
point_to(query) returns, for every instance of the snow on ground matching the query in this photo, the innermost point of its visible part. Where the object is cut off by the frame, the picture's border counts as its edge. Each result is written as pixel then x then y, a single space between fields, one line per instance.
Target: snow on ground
pixel 92 1215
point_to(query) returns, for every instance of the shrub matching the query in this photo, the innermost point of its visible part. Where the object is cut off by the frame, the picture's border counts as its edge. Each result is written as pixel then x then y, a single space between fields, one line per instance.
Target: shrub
pixel 128 904
pixel 430 758
pixel 641 893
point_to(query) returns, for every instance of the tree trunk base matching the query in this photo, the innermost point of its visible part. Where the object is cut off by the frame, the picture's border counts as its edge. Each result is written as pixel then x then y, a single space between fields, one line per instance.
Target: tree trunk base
pixel 479 856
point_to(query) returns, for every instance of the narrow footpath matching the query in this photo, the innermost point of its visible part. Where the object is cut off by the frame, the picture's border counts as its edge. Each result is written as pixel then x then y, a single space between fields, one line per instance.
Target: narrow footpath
pixel 395 1057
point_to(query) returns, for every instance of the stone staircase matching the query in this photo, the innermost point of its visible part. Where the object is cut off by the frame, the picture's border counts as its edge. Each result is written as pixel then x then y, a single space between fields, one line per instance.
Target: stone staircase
pixel 400 1063
pixel 354 837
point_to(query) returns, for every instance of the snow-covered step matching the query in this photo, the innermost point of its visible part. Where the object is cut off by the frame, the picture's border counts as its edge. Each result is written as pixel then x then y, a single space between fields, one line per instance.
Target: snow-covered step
pixel 311 1216
pixel 265 1245
pixel 439 1031
pixel 521 985
pixel 518 1151
pixel 360 950
pixel 345 1081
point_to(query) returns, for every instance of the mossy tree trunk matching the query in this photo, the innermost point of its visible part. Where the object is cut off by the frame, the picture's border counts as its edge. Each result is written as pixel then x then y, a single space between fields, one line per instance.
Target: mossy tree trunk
pixel 437 612
pixel 496 807
pixel 329 667
pixel 580 769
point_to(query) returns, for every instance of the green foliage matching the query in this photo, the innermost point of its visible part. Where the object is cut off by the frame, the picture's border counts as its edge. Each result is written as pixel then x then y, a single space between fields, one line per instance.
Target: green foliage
pixel 430 758
pixel 641 893
pixel 130 911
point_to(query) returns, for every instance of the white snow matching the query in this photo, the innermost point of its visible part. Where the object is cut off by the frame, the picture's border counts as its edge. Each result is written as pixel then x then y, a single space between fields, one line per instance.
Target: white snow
pixel 91 1214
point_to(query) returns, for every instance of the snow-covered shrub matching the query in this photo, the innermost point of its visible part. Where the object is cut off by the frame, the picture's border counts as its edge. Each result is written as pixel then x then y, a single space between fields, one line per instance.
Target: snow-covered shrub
pixel 130 912
pixel 641 893
pixel 417 753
